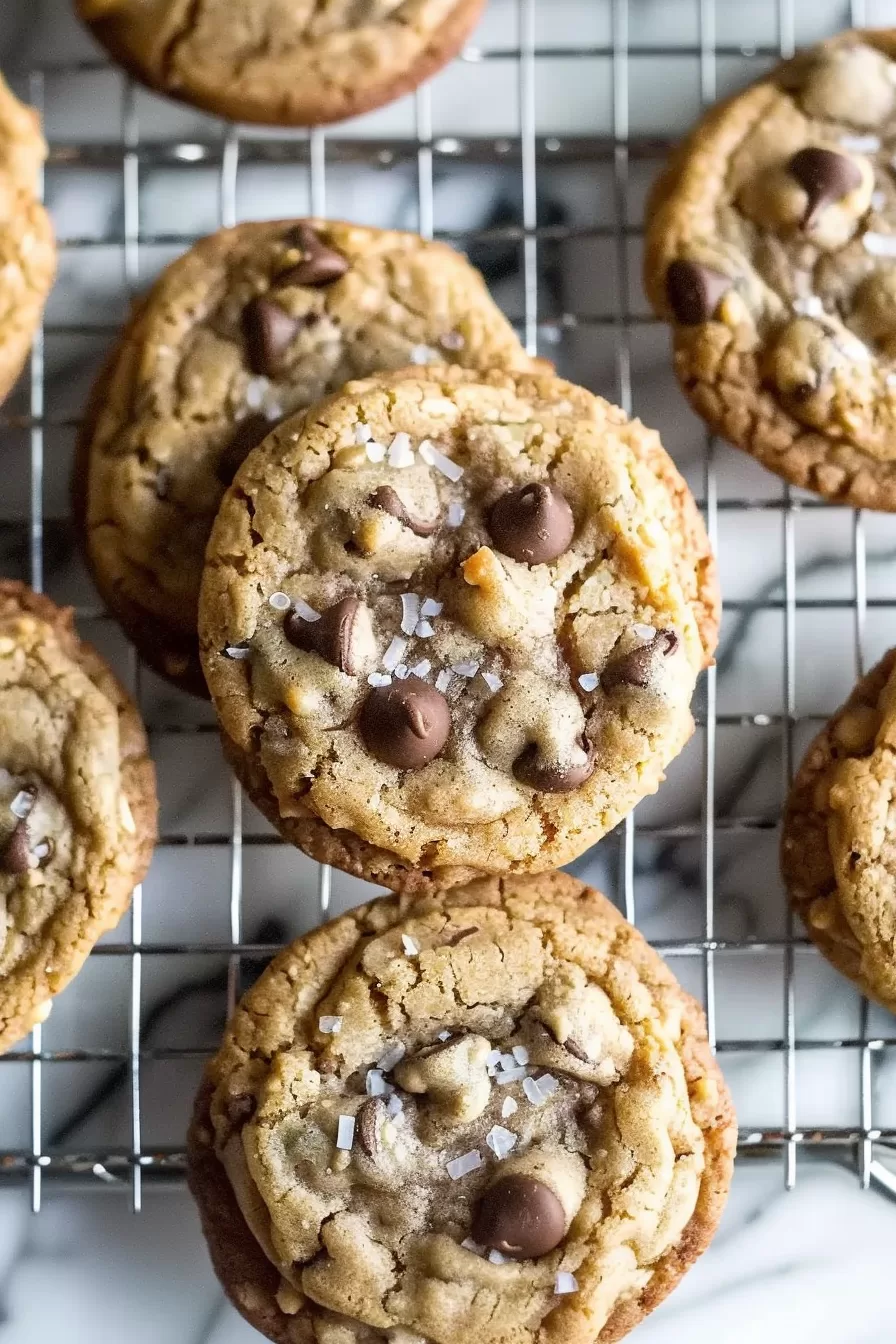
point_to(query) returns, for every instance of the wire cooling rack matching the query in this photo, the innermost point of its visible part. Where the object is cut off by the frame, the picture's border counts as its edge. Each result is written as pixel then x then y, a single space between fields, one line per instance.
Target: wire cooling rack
pixel 616 155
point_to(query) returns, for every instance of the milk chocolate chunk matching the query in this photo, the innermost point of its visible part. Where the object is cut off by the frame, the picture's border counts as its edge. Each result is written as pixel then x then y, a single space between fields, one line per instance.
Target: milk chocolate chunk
pixel 321 265
pixel 825 176
pixel 268 331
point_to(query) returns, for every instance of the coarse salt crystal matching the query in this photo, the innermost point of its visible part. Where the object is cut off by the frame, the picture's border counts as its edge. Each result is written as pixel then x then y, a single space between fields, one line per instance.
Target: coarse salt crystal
pixel 434 458
pixel 588 681
pixel 345 1133
pixel 422 354
pixel 565 1283
pixel 423 630
pixel 444 679
pixel 410 612
pixel 238 652
pixel 307 613
pixel 533 1092
pixel 279 601
pixel 22 804
pixel 810 306
pixel 402 671
pixel 401 454
pixel 456 513
pixel 492 1060
pixel 391 1056
pixel 375 1084
pixel 509 1108
pixel 431 607
pixel 645 632
pixel 878 244
pixel 462 1166
pixel 496 1258
pixel 394 654
pixel 465 669
pixel 860 144
pixel 375 451
pixel 444 1036
pixel 468 1244
pixel 501 1141
pixel 521 1054
pixel 547 1085
pixel 330 1026
pixel 379 679
pixel 422 668
pixel 493 682
pixel 362 433
pixel 512 1076
pixel 509 1062
pixel 410 945
pixel 395 1105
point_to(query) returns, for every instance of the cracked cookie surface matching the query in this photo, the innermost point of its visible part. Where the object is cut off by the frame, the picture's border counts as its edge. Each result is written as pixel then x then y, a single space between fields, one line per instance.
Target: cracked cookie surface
pixel 77 804
pixel 451 623
pixel 247 327
pixel 27 249
pixel 771 249
pixel 838 855
pixel 282 62
pixel 507 1061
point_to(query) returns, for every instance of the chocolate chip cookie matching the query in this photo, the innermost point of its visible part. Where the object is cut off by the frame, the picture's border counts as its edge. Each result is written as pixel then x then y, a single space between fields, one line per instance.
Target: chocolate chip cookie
pixel 837 853
pixel 27 249
pixel 282 62
pixel 771 249
pixel 452 622
pixel 489 1115
pixel 250 325
pixel 77 804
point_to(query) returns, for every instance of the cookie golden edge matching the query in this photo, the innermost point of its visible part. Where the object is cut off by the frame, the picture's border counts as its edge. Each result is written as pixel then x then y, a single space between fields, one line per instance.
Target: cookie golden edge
pixel 251 1281
pixel 735 404
pixel 24 994
pixel 355 101
pixel 807 867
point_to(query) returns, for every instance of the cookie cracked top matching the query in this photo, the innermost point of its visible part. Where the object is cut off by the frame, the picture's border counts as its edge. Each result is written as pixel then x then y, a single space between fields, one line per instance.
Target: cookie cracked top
pixel 247 327
pixel 772 250
pixel 457 616
pixel 27 249
pixel 284 62
pixel 77 804
pixel 493 1115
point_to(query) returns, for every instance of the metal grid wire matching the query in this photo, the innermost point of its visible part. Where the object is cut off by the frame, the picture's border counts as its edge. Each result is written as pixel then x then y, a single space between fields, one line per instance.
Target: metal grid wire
pixel 129 1167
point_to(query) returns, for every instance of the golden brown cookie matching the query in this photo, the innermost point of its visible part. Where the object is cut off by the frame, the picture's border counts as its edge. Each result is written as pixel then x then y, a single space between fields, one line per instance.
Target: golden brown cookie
pixel 451 623
pixel 247 327
pixel 489 1115
pixel 282 62
pixel 77 804
pixel 837 853
pixel 27 249
pixel 771 249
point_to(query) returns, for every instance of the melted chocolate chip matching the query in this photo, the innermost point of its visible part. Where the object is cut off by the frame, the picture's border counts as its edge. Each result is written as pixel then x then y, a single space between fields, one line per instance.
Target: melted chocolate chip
pixel 247 435
pixel 694 291
pixel 640 666
pixel 520 1217
pixel 405 724
pixel 322 265
pixel 825 176
pixel 460 936
pixel 533 523
pixel 547 776
pixel 370 1121
pixel 387 499
pixel 333 636
pixel 16 855
pixel 268 331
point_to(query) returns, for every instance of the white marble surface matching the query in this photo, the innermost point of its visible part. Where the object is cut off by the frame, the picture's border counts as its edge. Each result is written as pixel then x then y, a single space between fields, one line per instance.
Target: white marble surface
pixel 808 1265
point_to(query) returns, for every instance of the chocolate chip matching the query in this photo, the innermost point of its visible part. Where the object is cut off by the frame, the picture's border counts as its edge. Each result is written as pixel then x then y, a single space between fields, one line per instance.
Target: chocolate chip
pixel 247 435
pixel 405 724
pixel 371 1118
pixel 825 176
pixel 547 776
pixel 460 936
pixel 240 1109
pixel 520 1217
pixel 387 499
pixel 335 636
pixel 640 666
pixel 694 291
pixel 268 331
pixel 533 523
pixel 322 265
pixel 16 856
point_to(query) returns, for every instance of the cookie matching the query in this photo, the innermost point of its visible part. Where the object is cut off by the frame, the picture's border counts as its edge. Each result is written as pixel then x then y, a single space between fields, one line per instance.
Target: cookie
pixel 77 804
pixel 27 249
pixel 771 249
pixel 451 623
pixel 490 1115
pixel 284 64
pixel 250 325
pixel 837 854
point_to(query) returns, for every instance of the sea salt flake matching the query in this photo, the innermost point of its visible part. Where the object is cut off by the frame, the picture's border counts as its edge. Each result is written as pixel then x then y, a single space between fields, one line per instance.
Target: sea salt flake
pixel 467 670
pixel 565 1283
pixel 512 1076
pixel 533 1092
pixel 588 681
pixel 307 613
pixel 422 354
pixel 375 1084
pixel 434 458
pixel 878 244
pixel 391 1056
pixel 431 607
pixel 456 513
pixel 496 1258
pixel 410 612
pixel 362 433
pixel 279 601
pixel 462 1166
pixel 410 945
pixel 402 671
pixel 509 1062
pixel 468 1244
pixel 401 454
pixel 501 1141
pixel 421 669
pixel 394 654
pixel 860 144
pixel 492 1060
pixel 345 1133
pixel 444 1036
pixel 548 1085
pixel 256 391
pixel 375 451
pixel 238 652
pixel 509 1108
pixel 330 1026
pixel 395 1105
pixel 379 679
pixel 444 679
pixel 810 306
pixel 423 630
pixel 493 682
pixel 521 1054
pixel 22 804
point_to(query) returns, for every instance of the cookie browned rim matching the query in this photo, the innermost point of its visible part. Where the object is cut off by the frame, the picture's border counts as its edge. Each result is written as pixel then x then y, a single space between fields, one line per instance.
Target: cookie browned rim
pixel 251 1281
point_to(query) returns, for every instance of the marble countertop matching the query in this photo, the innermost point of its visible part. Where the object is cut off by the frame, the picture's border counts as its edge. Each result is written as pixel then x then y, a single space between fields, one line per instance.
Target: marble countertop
pixel 808 1264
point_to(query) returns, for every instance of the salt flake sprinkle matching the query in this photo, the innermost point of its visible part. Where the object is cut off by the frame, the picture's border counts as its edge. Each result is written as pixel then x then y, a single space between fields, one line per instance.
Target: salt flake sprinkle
pixel 307 613
pixel 362 433
pixel 509 1108
pixel 330 1026
pixel 467 670
pixel 456 513
pixel 444 679
pixel 493 682
pixel 375 1084
pixel 410 612
pixel 424 630
pixel 810 306
pixel 520 1054
pixel 860 144
pixel 237 652
pixel 470 1245
pixel 422 668
pixel 402 671
pixel 345 1133
pixel 379 679
pixel 22 804
pixel 538 1090
pixel 444 1036
pixel 395 1105
pixel 410 945
pixel 492 1060
pixel 279 601
pixel 501 1141
pixel 393 1055
pixel 509 1076
pixel 588 681
pixel 565 1283
pixel 422 354
pixel 496 1258
pixel 394 654
pixel 375 451
pixel 401 454
pixel 436 459
pixel 462 1166
pixel 431 607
